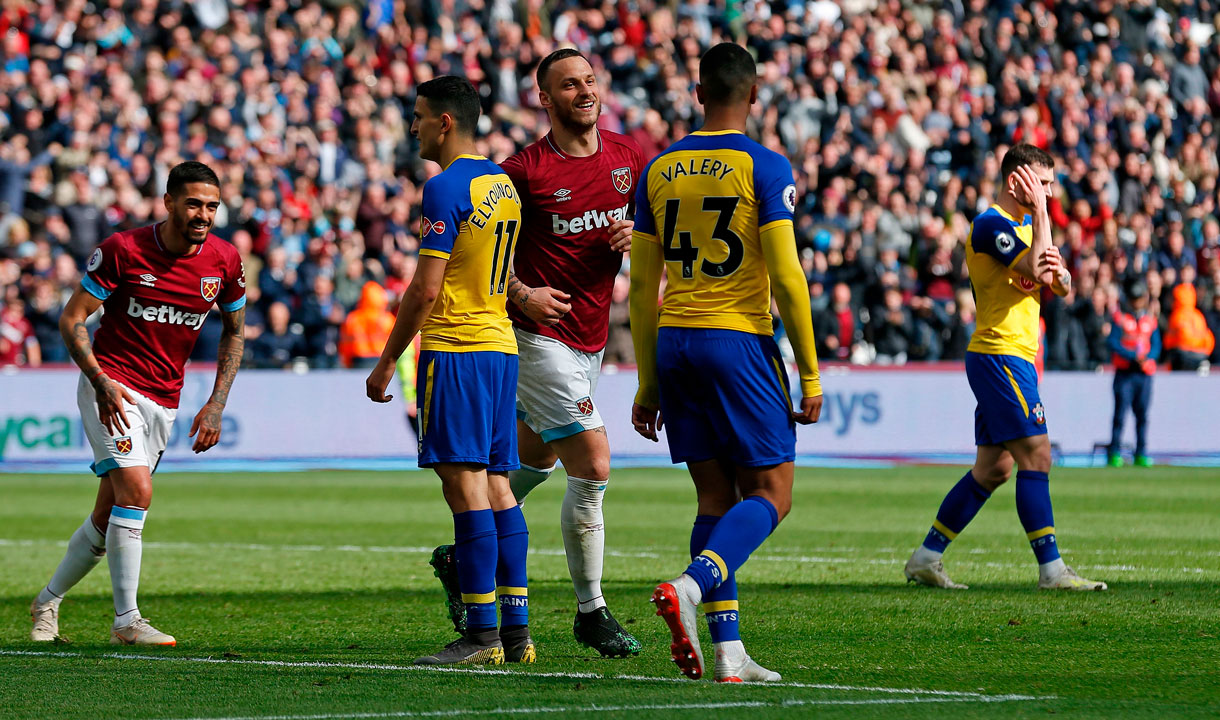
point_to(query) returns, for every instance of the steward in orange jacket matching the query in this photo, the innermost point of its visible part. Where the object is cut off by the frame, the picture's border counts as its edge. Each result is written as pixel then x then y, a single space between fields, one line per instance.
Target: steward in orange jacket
pixel 367 328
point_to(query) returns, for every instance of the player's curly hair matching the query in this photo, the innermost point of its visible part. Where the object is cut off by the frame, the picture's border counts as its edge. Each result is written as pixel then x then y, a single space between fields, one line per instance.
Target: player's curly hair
pixel 1024 154
pixel 189 172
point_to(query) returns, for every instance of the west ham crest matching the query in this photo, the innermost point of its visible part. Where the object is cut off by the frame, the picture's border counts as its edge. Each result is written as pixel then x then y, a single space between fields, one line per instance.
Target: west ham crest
pixel 209 288
pixel 622 179
pixel 122 445
pixel 585 406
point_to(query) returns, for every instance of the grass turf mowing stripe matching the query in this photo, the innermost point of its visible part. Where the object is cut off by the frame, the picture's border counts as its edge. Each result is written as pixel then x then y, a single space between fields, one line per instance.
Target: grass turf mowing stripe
pixel 464 712
pixel 944 694
pixel 558 552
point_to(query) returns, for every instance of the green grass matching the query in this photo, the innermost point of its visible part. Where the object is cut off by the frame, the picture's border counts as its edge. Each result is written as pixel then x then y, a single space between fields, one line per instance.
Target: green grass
pixel 330 567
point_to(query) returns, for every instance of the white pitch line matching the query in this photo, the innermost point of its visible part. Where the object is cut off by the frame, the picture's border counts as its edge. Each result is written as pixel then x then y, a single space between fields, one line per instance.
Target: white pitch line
pixel 463 712
pixel 915 692
pixel 558 552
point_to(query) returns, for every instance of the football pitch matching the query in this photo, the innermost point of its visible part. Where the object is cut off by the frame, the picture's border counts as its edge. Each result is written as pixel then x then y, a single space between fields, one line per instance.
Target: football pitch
pixel 307 595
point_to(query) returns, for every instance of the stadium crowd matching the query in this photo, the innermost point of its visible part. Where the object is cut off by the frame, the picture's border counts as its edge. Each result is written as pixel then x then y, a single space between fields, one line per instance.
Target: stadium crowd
pixel 893 112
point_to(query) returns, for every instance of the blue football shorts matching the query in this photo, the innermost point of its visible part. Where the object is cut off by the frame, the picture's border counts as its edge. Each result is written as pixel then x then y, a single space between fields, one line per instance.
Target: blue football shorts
pixel 724 395
pixel 467 409
pixel 1006 388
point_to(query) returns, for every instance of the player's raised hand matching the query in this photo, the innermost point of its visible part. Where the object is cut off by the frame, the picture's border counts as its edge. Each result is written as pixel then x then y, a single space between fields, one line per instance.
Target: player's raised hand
pixel 1031 186
pixel 1024 192
pixel 620 235
pixel 1054 265
pixel 546 305
pixel 646 421
pixel 206 427
pixel 811 410
pixel 110 399
pixel 378 380
pixel 1053 259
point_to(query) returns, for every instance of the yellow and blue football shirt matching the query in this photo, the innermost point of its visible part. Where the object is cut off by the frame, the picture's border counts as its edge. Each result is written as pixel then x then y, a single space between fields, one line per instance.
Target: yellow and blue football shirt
pixel 716 209
pixel 1008 303
pixel 472 217
pixel 707 200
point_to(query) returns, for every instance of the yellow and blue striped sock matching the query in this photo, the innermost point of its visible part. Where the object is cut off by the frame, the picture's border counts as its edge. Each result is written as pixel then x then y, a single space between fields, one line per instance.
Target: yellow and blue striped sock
pixel 475 549
pixel 1037 516
pixel 720 605
pixel 739 533
pixel 513 540
pixel 956 511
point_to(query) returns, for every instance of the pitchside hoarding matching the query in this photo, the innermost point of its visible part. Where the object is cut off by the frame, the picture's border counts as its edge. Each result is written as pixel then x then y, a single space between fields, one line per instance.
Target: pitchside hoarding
pixel 321 415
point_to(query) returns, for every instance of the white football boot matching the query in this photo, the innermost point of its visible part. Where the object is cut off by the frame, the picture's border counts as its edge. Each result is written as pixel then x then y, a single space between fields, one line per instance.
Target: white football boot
pixel 46 621
pixel 1067 579
pixel 929 571
pixel 733 665
pixel 677 603
pixel 139 632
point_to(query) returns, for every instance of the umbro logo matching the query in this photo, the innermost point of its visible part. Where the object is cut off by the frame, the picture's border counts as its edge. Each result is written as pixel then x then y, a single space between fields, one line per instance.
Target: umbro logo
pixel 563 195
pixel 148 280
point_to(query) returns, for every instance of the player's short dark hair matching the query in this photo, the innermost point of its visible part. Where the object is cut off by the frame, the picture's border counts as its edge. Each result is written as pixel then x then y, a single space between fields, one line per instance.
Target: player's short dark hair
pixel 189 172
pixel 455 96
pixel 1024 154
pixel 727 72
pixel 544 67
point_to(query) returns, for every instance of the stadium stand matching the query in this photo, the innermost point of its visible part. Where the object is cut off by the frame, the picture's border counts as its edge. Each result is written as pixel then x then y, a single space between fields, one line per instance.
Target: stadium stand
pixel 893 113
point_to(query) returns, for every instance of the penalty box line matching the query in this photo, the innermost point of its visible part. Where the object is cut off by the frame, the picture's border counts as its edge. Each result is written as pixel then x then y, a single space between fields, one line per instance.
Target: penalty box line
pixel 948 695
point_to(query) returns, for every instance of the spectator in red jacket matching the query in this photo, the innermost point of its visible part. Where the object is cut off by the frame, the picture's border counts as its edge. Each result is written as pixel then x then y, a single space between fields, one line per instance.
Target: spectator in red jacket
pixel 18 343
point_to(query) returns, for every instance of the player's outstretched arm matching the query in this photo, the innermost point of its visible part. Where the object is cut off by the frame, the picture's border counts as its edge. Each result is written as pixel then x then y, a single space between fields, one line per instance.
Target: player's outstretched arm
pixel 414 309
pixel 110 395
pixel 206 426
pixel 544 305
pixel 646 263
pixel 792 298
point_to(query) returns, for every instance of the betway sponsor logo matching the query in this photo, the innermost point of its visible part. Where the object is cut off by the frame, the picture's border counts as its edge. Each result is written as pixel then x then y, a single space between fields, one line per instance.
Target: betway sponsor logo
pixel 165 314
pixel 591 220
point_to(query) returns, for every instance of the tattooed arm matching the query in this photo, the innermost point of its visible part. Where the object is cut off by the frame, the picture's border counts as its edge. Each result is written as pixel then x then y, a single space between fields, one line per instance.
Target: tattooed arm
pixel 206 427
pixel 110 395
pixel 544 305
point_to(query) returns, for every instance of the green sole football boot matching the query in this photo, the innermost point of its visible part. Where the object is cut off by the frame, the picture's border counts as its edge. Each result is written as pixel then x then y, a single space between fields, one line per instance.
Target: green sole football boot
pixel 599 630
pixel 444 566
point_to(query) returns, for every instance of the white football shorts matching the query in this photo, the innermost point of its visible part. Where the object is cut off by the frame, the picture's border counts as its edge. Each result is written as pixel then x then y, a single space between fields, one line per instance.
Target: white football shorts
pixel 555 387
pixel 141 443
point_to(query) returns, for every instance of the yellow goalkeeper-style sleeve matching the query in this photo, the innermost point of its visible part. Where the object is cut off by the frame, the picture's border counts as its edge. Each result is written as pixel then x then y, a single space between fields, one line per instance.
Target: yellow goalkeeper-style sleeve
pixel 792 296
pixel 407 373
pixel 646 263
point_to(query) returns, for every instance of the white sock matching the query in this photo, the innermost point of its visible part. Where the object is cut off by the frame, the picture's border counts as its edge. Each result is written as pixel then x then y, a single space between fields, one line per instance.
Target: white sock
pixel 85 550
pixel 584 539
pixel 527 478
pixel 924 556
pixel 730 651
pixel 1051 569
pixel 125 546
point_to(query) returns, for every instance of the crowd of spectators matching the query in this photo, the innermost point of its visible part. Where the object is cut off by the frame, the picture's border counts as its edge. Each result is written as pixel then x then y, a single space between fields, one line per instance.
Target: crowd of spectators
pixel 893 112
